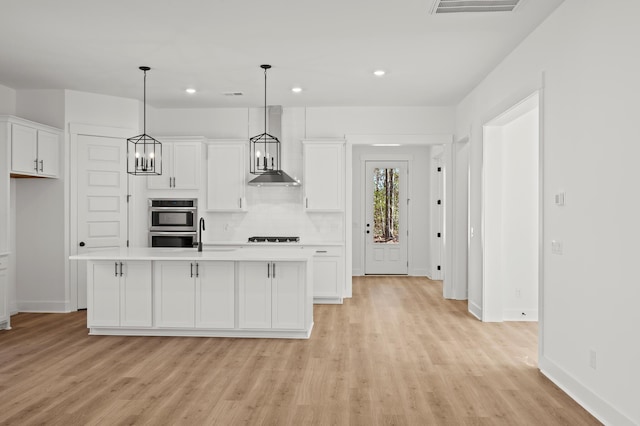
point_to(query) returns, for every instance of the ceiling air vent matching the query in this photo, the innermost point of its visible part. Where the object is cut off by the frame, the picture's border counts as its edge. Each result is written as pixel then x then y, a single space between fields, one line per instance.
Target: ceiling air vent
pixel 457 6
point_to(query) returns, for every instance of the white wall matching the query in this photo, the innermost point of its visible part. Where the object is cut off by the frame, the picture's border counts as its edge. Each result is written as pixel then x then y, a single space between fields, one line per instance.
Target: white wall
pixel 588 55
pixel 7 101
pixel 40 247
pixel 279 210
pixel 511 220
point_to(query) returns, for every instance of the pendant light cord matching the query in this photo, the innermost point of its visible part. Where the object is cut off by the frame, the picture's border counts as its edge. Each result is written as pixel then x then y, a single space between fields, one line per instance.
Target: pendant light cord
pixel 265 112
pixel 144 104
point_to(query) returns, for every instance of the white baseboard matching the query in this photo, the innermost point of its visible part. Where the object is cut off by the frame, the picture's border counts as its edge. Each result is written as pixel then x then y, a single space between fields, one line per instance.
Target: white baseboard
pixel 357 272
pixel 517 315
pixel 419 272
pixel 475 310
pixel 598 407
pixel 38 306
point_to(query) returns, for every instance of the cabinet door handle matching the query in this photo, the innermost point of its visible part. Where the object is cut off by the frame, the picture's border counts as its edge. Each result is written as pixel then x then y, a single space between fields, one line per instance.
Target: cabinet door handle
pixel 174 181
pixel 240 202
pixel 116 272
pixel 268 270
pixel 306 203
pixel 197 269
pixel 120 268
pixel 42 165
pixel 36 167
pixel 274 270
pixel 192 270
pixel 321 251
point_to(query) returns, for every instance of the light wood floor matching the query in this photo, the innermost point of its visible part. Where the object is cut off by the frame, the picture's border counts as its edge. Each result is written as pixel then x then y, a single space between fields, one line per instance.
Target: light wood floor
pixel 395 354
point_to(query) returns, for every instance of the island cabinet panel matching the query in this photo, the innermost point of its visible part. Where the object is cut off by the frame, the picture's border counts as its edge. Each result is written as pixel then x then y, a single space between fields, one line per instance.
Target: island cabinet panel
pixel 135 296
pixel 288 292
pixel 119 294
pixel 215 295
pixel 271 295
pixel 254 293
pixel 175 293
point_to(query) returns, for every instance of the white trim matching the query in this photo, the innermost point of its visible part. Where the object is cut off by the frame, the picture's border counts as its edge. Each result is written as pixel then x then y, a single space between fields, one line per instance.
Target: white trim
pixel 419 272
pixel 362 139
pixel 598 407
pixel 39 306
pixel 348 222
pixel 196 332
pixel 475 310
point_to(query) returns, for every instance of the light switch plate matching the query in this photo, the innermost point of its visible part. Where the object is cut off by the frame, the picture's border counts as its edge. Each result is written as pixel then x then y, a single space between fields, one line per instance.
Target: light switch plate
pixel 556 247
pixel 559 198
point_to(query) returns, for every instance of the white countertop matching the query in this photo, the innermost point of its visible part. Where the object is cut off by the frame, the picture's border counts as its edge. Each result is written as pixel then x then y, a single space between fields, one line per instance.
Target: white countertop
pixel 209 253
pixel 298 244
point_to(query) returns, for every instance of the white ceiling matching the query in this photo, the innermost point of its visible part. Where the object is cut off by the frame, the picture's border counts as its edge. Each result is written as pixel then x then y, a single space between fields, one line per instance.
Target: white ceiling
pixel 329 48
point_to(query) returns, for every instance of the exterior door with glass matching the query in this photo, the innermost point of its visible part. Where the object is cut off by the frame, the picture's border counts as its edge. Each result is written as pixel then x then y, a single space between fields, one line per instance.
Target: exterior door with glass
pixel 386 217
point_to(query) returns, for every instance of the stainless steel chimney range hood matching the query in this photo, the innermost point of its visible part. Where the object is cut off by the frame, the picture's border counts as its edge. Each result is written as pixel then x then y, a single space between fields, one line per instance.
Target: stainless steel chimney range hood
pixel 274 178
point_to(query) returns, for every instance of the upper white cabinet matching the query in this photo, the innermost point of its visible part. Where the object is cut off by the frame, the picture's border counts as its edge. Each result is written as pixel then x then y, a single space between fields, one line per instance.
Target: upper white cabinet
pixel 181 159
pixel 324 176
pixel 35 149
pixel 226 174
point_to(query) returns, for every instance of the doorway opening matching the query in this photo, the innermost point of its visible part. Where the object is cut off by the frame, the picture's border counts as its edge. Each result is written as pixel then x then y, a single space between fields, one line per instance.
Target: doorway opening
pixel 386 217
pixel 511 211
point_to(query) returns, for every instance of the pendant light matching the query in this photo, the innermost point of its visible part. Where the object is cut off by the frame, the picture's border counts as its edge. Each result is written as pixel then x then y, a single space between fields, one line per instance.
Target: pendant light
pixel 265 148
pixel 144 153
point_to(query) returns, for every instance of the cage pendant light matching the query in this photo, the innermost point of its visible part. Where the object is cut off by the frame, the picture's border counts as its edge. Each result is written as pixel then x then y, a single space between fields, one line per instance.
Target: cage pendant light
pixel 144 153
pixel 264 156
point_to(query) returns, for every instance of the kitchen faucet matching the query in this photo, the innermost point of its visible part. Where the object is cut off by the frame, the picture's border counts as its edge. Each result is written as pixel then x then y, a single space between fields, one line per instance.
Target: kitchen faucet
pixel 200 229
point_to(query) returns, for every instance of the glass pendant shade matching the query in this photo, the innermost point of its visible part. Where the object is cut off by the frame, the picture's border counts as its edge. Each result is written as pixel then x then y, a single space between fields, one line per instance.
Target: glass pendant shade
pixel 144 153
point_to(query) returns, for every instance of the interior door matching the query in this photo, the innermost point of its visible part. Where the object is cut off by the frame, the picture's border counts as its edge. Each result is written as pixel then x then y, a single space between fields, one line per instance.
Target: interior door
pixel 386 217
pixel 102 203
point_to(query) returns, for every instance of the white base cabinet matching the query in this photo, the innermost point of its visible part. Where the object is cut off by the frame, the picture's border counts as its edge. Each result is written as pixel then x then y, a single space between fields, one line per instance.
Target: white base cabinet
pixel 119 294
pixel 328 275
pixel 200 298
pixel 5 320
pixel 271 295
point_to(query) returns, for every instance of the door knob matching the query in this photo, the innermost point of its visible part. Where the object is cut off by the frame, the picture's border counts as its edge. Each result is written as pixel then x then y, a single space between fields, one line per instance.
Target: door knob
pixel 81 244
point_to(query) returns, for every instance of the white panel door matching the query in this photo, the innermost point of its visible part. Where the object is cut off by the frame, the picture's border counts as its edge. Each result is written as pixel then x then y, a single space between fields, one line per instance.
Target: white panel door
pixel 254 294
pixel 102 198
pixel 103 294
pixel 135 294
pixel 386 217
pixel 215 295
pixel 174 283
pixel 24 149
pixel 288 289
pixel 48 153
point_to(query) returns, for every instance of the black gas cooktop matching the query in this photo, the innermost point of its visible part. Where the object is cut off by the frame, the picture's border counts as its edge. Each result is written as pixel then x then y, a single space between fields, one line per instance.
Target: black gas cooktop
pixel 274 239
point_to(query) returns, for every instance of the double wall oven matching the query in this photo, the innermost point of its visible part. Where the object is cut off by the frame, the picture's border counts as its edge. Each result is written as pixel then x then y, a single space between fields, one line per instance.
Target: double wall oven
pixel 173 222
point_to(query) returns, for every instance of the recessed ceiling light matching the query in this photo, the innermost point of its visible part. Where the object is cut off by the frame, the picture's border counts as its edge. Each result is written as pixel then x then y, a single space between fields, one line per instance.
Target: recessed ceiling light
pixel 379 73
pixel 190 91
pixel 296 89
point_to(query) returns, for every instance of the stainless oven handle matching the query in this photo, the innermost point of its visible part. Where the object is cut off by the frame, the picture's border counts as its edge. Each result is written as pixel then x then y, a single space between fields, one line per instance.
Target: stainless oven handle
pixel 194 209
pixel 173 233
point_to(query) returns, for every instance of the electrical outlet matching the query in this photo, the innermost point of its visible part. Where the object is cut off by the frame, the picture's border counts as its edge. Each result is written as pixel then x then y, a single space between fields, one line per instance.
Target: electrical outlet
pixel 556 247
pixel 559 199
pixel 592 359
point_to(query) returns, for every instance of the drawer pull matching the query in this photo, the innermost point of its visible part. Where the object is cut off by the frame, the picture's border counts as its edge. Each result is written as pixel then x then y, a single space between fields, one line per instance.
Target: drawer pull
pixel 321 251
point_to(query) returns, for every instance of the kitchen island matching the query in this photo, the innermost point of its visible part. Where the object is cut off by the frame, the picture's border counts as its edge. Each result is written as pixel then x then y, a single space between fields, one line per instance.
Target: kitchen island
pixel 219 292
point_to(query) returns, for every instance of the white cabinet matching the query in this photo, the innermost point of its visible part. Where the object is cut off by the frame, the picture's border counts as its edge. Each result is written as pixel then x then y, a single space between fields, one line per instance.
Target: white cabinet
pixel 324 176
pixel 194 294
pixel 226 175
pixel 119 294
pixel 328 274
pixel 4 294
pixel 180 165
pixel 271 295
pixel 34 150
pixel 215 294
